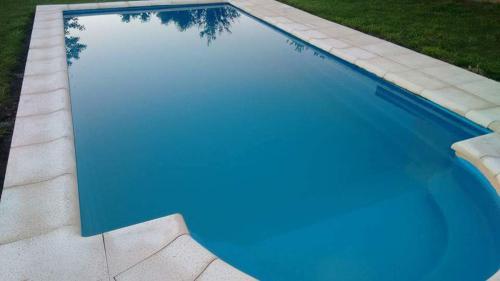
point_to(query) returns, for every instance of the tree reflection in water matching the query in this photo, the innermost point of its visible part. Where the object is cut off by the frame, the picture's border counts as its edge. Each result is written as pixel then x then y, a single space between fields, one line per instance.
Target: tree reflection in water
pixel 211 23
pixel 300 47
pixel 142 17
pixel 73 45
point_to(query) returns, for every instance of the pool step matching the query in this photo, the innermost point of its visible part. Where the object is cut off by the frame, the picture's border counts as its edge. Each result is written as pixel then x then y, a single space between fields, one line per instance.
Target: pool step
pixel 484 153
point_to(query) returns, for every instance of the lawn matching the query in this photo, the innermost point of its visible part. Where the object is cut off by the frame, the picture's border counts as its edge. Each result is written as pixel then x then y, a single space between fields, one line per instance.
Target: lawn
pixel 464 33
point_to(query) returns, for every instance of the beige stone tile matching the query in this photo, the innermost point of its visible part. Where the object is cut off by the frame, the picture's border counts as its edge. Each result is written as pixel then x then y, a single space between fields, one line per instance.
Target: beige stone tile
pixel 484 153
pixel 44 83
pixel 329 43
pixel 47 42
pixel 475 148
pixel 35 209
pixel 414 60
pixel 47 32
pixel 359 53
pixel 128 246
pixel 43 103
pixel 106 5
pixel 303 17
pixel 270 3
pixel 49 16
pixel 450 74
pixel 492 163
pixel 41 67
pixel 36 163
pixel 307 35
pixel 456 100
pixel 262 12
pixel 52 24
pixel 484 88
pixel 461 78
pixel 247 9
pixel 42 128
pixel 338 31
pixel 219 270
pixel 48 24
pixel 138 3
pixel 290 27
pixel 495 126
pixel 484 117
pixel 84 6
pixel 495 182
pixel 183 259
pixel 352 54
pixel 50 8
pixel 47 53
pixel 242 4
pixel 380 66
pixel 160 2
pixel 385 48
pixel 277 20
pixel 414 81
pixel 318 22
pixel 252 2
pixel 294 14
pixel 58 255
pixel 361 39
pixel 246 5
pixel 338 53
pixel 278 8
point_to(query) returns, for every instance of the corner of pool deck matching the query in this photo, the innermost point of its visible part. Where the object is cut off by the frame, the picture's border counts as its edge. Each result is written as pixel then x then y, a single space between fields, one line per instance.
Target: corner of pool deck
pixel 40 236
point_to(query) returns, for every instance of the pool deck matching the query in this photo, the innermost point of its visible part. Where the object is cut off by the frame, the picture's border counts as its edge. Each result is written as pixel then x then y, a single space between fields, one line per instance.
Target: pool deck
pixel 40 235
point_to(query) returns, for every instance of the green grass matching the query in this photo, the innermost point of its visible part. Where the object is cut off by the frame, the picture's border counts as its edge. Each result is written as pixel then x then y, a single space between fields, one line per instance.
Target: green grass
pixel 463 33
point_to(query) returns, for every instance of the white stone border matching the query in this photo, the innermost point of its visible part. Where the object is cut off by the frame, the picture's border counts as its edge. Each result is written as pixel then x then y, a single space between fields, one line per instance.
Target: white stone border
pixel 39 214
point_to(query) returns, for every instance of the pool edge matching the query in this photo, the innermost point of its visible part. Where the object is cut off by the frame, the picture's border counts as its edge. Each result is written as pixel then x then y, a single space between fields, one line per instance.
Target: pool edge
pixel 45 159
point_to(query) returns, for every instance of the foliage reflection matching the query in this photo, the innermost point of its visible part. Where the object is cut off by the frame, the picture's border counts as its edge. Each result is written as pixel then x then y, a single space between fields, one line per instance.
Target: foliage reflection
pixel 211 23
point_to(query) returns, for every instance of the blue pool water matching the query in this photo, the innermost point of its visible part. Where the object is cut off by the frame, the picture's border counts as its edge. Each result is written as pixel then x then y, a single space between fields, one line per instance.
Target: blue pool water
pixel 286 162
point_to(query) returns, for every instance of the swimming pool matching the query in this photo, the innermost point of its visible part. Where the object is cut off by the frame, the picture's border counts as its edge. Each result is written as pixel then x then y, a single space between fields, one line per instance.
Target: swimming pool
pixel 262 142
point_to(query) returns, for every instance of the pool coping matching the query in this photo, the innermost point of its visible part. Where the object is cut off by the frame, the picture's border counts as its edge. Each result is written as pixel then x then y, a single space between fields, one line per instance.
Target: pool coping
pixel 39 213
